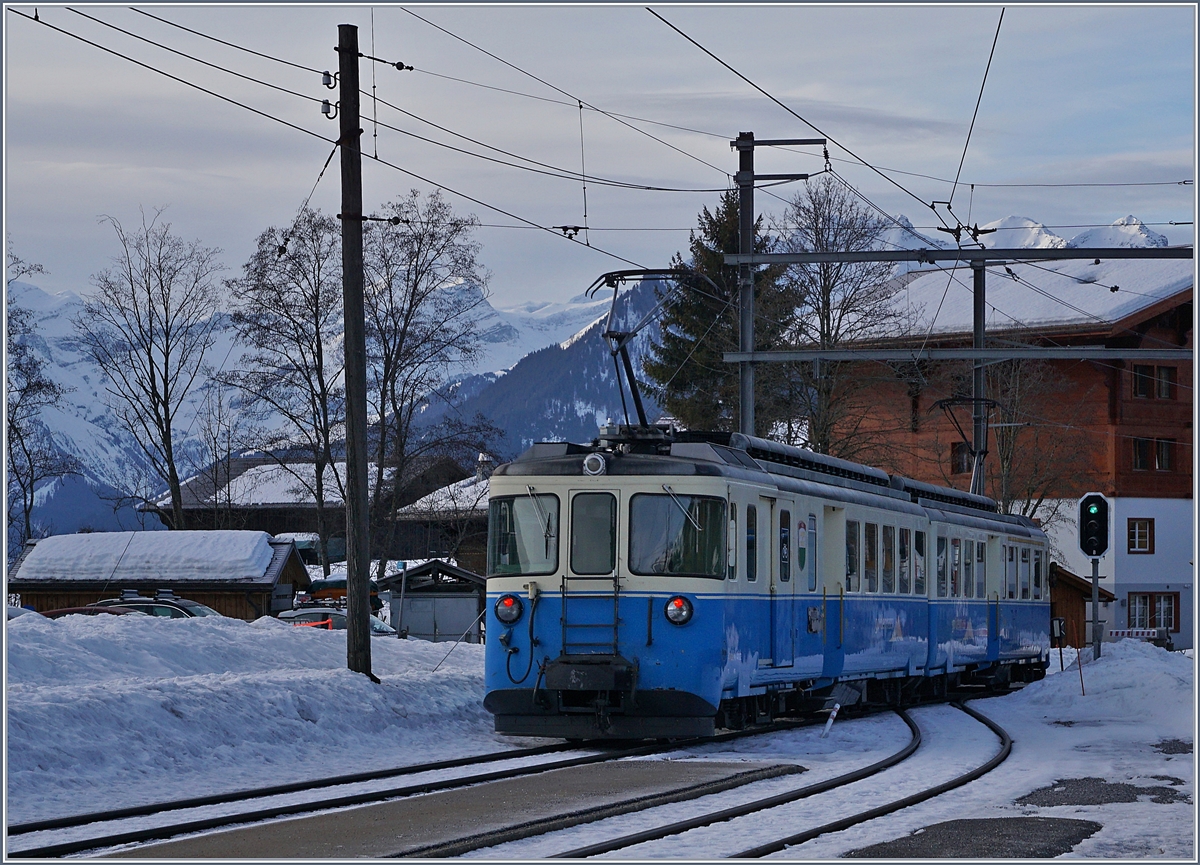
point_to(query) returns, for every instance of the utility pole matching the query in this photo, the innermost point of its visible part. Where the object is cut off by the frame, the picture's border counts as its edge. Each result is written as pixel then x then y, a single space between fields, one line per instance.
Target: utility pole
pixel 979 408
pixel 358 552
pixel 744 145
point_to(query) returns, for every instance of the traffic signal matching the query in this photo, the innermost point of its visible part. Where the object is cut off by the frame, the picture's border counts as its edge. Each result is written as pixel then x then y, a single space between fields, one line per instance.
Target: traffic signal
pixel 1093 525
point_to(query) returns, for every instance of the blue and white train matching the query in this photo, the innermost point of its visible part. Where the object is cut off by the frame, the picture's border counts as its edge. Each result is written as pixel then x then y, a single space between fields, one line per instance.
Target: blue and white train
pixel 661 584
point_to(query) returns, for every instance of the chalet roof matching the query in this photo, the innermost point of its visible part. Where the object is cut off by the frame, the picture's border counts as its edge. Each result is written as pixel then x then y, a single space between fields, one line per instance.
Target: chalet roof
pixel 261 483
pixel 1078 296
pixel 1061 576
pixel 431 574
pixel 236 558
pixel 468 497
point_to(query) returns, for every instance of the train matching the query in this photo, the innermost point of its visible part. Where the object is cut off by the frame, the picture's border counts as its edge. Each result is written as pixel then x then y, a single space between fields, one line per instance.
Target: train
pixel 659 583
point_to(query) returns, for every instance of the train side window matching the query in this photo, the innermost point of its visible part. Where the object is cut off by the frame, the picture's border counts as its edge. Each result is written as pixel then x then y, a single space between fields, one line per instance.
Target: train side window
pixel 969 568
pixel 889 559
pixel 1037 575
pixel 871 557
pixel 812 552
pixel 1010 571
pixel 785 544
pixel 905 561
pixel 751 543
pixel 941 567
pixel 980 574
pixel 851 555
pixel 594 533
pixel 732 540
pixel 919 564
pixel 955 568
pixel 1024 573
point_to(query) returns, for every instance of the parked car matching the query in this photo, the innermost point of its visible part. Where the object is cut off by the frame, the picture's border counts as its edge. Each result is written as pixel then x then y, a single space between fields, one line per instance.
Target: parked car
pixel 163 604
pixel 332 619
pixel 334 589
pixel 13 612
pixel 93 610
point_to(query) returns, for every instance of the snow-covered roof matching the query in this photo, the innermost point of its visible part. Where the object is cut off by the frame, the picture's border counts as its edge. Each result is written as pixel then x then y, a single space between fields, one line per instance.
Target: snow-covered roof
pixel 116 557
pixel 277 484
pixel 1077 294
pixel 461 498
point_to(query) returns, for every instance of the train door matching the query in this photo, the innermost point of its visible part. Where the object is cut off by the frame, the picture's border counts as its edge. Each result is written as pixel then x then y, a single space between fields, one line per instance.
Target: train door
pixel 591 587
pixel 784 576
pixel 833 574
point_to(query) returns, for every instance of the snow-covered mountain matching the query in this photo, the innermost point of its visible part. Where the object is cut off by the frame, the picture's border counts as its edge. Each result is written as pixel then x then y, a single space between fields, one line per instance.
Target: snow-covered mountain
pixel 1020 232
pixel 1126 232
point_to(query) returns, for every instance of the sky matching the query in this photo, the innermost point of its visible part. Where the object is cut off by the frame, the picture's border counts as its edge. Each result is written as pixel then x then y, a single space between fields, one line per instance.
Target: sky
pixel 1075 94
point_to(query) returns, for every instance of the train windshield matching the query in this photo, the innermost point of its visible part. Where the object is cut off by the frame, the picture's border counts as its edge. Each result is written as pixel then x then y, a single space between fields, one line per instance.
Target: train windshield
pixel 677 535
pixel 522 535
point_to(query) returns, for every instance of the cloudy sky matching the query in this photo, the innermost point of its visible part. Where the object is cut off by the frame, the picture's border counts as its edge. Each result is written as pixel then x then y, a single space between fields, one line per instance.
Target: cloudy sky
pixel 1088 115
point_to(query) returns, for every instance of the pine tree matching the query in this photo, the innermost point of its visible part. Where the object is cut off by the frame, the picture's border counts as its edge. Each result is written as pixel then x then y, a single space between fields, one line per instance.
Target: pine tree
pixel 699 325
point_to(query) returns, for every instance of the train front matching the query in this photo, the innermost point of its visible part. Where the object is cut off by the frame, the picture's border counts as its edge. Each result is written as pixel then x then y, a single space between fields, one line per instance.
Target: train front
pixel 605 594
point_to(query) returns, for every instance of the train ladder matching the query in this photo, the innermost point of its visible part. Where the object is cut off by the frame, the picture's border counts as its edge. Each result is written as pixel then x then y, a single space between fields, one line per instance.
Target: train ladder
pixel 581 633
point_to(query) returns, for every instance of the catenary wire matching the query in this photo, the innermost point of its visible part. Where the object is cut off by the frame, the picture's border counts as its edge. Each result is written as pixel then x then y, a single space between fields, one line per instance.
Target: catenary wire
pixel 290 125
pixel 808 123
pixel 978 102
pixel 565 93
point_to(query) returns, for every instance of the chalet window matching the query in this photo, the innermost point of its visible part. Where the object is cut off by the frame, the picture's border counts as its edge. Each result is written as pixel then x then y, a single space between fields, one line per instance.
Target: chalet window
pixel 1151 382
pixel 1141 454
pixel 1143 381
pixel 1164 452
pixel 960 458
pixel 1164 382
pixel 1154 610
pixel 1141 535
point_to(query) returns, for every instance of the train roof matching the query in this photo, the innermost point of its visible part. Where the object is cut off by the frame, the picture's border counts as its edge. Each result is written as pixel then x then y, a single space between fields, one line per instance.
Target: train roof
pixel 664 450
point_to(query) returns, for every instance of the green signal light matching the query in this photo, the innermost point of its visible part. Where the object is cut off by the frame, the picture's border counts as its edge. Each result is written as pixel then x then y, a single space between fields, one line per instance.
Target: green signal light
pixel 1093 509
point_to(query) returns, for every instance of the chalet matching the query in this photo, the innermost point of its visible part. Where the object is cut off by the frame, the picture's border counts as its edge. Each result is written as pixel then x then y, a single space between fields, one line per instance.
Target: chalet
pixel 262 493
pixel 437 601
pixel 1060 428
pixel 450 521
pixel 241 574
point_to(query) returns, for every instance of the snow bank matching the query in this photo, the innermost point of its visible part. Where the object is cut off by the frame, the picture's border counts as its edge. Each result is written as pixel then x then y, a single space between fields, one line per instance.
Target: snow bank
pixel 161 556
pixel 107 711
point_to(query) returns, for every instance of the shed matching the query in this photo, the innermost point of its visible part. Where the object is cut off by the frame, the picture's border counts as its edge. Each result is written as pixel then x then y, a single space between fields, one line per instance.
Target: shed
pixel 1071 598
pixel 441 601
pixel 240 574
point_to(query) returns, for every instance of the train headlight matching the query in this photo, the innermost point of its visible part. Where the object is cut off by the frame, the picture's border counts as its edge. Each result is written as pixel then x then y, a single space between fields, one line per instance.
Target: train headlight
pixel 679 610
pixel 508 609
pixel 594 464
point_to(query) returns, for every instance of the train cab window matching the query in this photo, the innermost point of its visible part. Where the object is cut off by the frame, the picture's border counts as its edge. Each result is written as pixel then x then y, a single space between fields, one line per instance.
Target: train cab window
pixel 919 564
pixel 905 563
pixel 851 555
pixel 968 569
pixel 751 543
pixel 523 535
pixel 871 557
pixel 889 559
pixel 942 554
pixel 785 546
pixel 1037 575
pixel 594 533
pixel 677 535
pixel 980 561
pixel 1024 573
pixel 812 552
pixel 1010 571
pixel 955 568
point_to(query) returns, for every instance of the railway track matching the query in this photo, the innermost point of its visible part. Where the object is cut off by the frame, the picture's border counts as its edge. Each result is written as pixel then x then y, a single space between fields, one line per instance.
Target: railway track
pixel 749 808
pixel 175 826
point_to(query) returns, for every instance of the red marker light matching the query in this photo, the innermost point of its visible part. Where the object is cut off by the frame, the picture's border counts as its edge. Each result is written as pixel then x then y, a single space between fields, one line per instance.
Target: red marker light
pixel 679 610
pixel 508 609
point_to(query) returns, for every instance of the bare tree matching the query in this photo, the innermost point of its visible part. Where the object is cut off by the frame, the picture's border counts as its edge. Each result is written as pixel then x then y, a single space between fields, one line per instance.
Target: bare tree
pixel 222 433
pixel 148 327
pixel 425 289
pixel 836 303
pixel 290 316
pixel 31 454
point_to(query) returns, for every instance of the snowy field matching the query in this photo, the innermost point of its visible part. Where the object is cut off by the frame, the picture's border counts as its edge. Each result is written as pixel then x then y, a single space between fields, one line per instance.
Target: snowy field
pixel 110 711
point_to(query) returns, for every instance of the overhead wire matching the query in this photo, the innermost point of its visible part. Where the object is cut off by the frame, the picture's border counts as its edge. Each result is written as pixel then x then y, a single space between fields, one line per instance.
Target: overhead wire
pixel 309 132
pixel 975 115
pixel 564 92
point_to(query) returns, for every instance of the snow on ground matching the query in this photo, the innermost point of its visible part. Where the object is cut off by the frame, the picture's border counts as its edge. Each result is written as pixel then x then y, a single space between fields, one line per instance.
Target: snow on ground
pixel 111 711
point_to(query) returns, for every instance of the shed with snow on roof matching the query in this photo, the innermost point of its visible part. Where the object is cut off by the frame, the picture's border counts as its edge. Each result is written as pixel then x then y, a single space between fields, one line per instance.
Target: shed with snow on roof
pixel 441 601
pixel 240 574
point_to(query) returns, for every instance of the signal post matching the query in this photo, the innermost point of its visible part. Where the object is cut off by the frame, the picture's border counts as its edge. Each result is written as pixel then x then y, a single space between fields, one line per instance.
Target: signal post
pixel 1093 540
